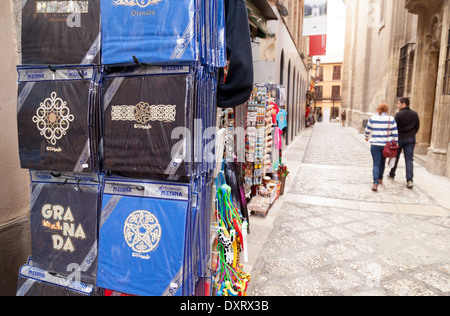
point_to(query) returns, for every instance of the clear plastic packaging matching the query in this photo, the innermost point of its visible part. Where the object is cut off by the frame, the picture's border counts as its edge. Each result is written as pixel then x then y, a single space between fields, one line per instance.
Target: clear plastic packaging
pixel 149 31
pixel 60 32
pixel 33 281
pixel 64 223
pixel 145 237
pixel 221 35
pixel 56 114
pixel 146 121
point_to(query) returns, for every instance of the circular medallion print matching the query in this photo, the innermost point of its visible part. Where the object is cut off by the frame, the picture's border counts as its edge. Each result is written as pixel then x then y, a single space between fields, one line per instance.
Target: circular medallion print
pixel 142 231
pixel 53 118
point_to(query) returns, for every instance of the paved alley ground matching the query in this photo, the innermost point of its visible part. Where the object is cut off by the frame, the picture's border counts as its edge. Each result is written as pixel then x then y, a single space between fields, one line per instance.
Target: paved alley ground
pixel 329 234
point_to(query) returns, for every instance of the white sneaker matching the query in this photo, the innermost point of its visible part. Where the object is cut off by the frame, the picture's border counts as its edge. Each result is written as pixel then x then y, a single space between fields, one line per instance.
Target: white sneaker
pixel 409 184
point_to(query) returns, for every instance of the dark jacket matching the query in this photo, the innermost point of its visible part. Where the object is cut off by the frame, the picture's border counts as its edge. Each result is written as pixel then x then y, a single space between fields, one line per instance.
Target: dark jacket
pixel 236 88
pixel 408 123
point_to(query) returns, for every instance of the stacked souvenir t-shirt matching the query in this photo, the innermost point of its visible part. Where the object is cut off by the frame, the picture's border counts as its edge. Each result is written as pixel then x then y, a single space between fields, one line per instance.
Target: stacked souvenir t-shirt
pixel 64 224
pixel 60 32
pixel 142 244
pixel 54 119
pixel 153 31
pixel 143 107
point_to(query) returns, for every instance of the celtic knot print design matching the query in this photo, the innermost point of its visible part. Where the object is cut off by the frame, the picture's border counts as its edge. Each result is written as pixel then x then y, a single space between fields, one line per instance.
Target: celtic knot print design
pixel 140 3
pixel 53 118
pixel 142 231
pixel 143 113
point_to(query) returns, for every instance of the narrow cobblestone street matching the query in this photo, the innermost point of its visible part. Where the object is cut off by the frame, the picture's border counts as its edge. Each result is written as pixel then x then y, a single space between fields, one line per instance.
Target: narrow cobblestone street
pixel 329 234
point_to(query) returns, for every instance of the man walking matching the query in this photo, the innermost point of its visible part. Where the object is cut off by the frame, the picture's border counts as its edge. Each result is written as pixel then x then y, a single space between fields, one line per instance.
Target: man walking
pixel 408 124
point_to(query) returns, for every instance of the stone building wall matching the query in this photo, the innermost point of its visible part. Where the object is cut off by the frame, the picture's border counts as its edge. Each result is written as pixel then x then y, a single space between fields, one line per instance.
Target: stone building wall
pixel 14 187
pixel 377 30
pixel 375 33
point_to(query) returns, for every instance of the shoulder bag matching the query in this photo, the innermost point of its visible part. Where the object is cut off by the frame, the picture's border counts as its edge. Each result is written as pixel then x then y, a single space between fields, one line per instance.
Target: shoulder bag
pixel 391 147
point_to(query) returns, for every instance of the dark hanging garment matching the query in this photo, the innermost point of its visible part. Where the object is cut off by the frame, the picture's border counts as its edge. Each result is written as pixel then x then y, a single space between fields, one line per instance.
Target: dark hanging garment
pixel 236 88
pixel 234 179
pixel 60 32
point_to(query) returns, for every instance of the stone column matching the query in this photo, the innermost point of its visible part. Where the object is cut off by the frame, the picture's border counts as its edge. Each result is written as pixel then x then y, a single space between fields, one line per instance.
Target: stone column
pixel 431 48
pixel 426 75
pixel 438 158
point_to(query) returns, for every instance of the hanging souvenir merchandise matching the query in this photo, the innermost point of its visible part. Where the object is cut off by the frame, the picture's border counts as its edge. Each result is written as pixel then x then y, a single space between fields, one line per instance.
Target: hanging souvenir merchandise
pixel 60 32
pixel 263 146
pixel 64 223
pixel 56 115
pixel 200 235
pixel 204 128
pixel 119 133
pixel 36 282
pixel 258 133
pixel 142 29
pixel 145 242
pixel 234 178
pixel 139 126
pixel 212 33
pixel 139 32
pixel 231 228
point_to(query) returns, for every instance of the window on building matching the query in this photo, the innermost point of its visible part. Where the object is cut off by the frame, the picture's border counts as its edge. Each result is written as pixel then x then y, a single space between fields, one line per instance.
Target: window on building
pixel 447 68
pixel 319 92
pixel 320 73
pixel 404 70
pixel 336 72
pixel 336 91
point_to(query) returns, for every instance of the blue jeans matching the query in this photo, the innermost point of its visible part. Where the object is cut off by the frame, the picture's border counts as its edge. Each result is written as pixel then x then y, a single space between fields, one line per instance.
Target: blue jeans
pixel 379 162
pixel 407 145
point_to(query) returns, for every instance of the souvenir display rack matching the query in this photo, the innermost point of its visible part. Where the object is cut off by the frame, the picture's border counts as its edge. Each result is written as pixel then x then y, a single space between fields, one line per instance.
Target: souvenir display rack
pixel 263 147
pixel 98 123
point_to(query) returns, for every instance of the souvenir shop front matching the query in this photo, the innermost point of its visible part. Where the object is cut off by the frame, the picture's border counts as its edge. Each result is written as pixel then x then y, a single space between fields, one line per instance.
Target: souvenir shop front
pixel 120 129
pixel 254 141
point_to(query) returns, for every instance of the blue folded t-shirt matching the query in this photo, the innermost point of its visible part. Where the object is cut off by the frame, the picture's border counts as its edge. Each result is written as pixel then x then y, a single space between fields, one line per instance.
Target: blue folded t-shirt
pixel 143 237
pixel 281 119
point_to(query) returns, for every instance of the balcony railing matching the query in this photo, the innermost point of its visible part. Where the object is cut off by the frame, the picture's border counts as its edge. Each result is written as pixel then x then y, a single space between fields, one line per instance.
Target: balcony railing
pixel 334 98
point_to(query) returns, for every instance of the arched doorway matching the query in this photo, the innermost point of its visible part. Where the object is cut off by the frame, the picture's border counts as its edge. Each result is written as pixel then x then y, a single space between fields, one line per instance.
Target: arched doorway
pixel 288 105
pixel 294 103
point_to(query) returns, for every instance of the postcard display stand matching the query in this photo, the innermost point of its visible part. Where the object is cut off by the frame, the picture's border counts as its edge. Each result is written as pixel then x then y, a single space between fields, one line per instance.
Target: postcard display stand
pixel 113 99
pixel 263 147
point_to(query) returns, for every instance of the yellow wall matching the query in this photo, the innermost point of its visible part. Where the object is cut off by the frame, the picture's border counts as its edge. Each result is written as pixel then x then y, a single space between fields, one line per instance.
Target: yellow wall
pixel 327 85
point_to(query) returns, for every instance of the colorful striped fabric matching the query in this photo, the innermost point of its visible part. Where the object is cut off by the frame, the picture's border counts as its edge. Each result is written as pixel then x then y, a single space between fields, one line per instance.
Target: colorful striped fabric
pixel 378 126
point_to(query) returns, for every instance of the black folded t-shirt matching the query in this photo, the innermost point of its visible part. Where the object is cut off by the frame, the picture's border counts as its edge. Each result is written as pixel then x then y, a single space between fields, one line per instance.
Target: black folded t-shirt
pixel 139 118
pixel 61 32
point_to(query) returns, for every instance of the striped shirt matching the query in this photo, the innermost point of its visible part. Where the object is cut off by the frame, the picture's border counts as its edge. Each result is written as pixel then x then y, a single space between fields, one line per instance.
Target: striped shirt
pixel 378 127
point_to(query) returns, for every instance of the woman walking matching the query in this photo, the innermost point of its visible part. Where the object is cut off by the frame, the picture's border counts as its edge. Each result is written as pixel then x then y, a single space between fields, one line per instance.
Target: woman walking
pixel 383 128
